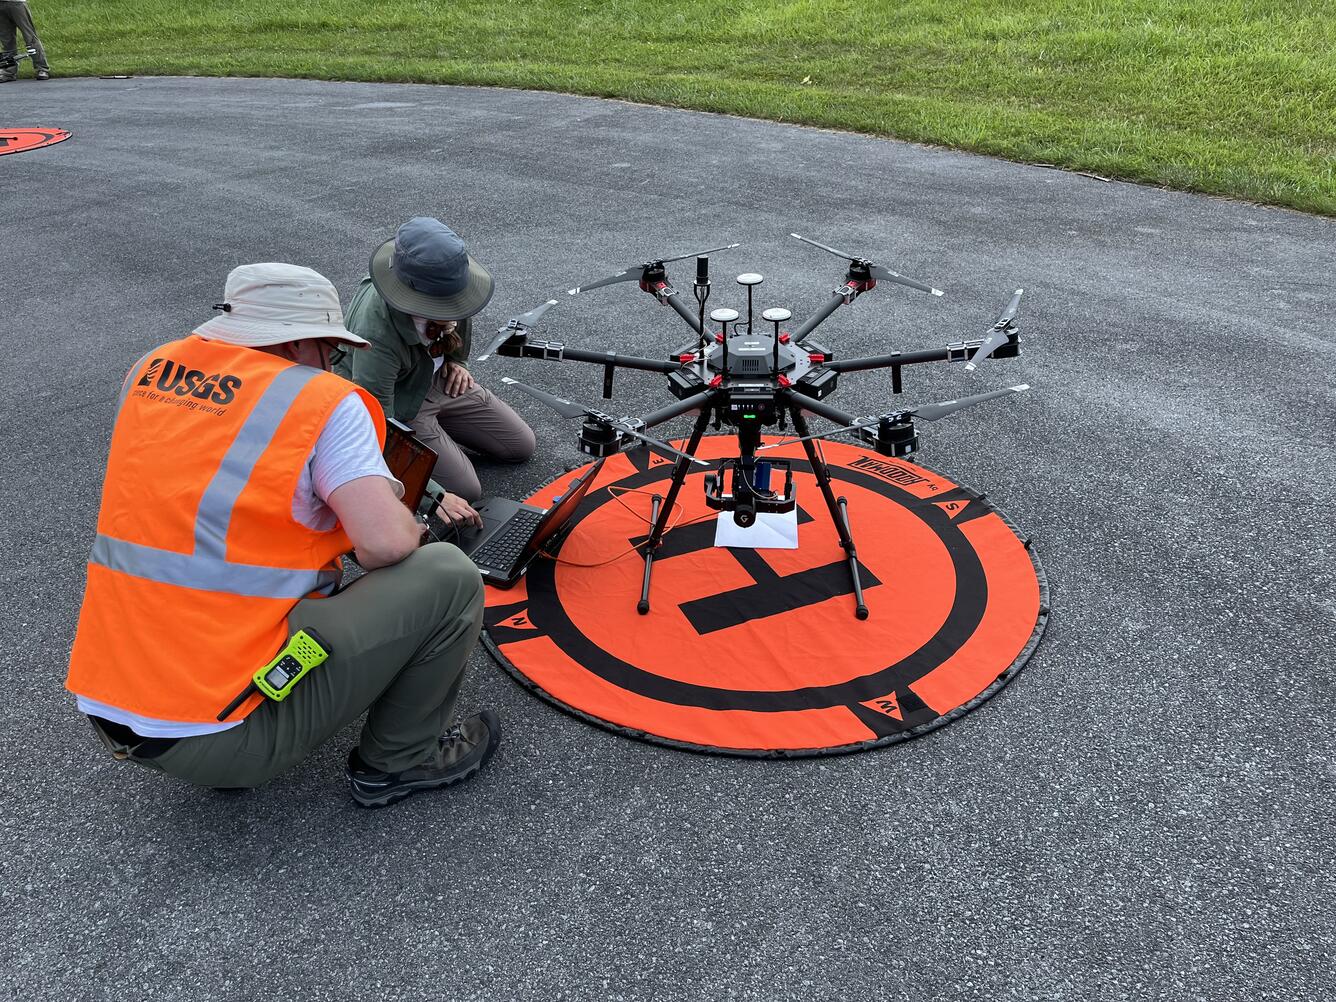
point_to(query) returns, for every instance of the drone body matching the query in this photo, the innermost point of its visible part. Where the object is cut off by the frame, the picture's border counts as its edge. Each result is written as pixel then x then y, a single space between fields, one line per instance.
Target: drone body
pixel 751 377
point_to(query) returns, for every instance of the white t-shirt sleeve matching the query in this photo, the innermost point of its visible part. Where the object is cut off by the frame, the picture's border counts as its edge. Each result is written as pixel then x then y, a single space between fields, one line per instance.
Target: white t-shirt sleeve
pixel 346 450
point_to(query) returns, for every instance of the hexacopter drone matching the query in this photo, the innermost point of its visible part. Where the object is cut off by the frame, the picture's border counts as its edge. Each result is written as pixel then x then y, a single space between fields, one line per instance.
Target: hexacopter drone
pixel 749 379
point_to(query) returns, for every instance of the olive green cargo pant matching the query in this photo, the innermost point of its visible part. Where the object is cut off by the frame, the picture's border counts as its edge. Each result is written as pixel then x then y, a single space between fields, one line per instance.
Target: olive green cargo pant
pixel 400 636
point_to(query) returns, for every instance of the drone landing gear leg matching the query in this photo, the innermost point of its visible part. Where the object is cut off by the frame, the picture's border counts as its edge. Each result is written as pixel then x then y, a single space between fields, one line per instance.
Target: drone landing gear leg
pixel 860 607
pixel 642 606
pixel 839 509
pixel 660 513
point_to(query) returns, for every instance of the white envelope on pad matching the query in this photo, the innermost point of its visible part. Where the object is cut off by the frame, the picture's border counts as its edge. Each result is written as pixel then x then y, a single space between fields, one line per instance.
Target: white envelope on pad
pixel 768 532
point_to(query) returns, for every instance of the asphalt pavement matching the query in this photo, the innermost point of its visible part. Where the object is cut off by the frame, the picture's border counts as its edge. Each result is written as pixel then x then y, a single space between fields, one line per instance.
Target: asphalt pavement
pixel 1144 813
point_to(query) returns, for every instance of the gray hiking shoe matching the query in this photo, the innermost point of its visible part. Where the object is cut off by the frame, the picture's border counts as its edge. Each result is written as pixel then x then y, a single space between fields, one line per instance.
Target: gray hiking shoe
pixel 462 751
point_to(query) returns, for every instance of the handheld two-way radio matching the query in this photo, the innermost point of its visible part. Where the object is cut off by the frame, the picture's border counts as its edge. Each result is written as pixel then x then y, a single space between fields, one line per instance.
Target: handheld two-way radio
pixel 303 651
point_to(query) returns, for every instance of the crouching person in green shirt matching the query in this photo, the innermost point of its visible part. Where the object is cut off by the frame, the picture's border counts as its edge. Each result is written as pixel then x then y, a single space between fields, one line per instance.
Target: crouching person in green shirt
pixel 415 309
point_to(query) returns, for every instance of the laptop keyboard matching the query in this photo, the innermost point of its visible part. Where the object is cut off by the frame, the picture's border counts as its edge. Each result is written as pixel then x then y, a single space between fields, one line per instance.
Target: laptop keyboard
pixel 503 549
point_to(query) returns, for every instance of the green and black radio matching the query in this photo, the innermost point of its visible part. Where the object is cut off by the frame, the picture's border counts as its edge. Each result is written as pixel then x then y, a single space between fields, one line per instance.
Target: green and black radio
pixel 303 651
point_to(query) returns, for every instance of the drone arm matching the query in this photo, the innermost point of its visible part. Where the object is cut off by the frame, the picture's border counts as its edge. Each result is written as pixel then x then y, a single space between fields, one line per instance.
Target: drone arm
pixel 538 348
pixel 812 322
pixel 954 353
pixel 882 361
pixel 820 409
pixel 678 408
pixel 622 361
pixel 684 311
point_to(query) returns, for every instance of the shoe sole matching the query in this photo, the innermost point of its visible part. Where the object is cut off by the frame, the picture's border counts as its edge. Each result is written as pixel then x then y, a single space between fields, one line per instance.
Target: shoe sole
pixel 408 789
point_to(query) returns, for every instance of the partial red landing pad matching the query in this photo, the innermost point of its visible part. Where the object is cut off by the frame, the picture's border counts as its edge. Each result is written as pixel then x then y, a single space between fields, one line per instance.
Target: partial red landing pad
pixel 757 652
pixel 21 140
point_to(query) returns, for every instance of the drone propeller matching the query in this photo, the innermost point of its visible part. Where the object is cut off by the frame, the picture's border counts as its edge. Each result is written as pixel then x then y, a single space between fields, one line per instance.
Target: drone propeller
pixel 522 322
pixel 997 334
pixel 570 409
pixel 931 412
pixel 928 412
pixel 566 408
pixel 875 270
pixel 531 318
pixel 634 274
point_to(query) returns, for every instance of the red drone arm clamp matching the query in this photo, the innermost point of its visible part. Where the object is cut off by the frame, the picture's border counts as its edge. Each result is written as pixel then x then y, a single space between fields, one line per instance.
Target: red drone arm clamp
pixel 856 287
pixel 658 288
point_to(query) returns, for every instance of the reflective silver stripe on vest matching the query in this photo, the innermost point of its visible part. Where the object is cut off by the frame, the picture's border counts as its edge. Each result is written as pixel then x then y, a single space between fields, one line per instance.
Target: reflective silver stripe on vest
pixel 215 507
pixel 190 570
pixel 207 568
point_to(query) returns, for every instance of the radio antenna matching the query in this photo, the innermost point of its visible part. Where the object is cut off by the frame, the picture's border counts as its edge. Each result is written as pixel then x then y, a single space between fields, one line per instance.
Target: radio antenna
pixel 702 292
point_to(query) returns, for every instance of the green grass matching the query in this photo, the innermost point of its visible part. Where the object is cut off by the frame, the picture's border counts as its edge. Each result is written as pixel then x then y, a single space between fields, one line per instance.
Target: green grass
pixel 1231 97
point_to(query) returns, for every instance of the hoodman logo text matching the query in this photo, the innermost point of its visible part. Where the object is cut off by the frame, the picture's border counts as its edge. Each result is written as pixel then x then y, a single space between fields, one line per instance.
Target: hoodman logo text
pixel 887 471
pixel 192 389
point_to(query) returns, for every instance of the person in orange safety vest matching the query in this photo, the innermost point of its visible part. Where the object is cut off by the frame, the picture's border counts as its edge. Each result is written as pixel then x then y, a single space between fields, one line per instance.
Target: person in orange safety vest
pixel 241 469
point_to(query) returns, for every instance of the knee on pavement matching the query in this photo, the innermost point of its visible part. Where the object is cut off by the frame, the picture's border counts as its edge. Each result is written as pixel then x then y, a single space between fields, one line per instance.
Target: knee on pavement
pixel 520 449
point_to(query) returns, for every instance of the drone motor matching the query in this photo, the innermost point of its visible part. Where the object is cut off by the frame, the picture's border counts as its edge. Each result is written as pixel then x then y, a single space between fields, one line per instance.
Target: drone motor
pixel 598 439
pixel 892 438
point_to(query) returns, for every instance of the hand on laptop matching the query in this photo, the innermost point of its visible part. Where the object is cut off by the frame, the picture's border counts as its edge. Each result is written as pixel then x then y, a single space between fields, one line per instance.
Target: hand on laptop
pixel 455 511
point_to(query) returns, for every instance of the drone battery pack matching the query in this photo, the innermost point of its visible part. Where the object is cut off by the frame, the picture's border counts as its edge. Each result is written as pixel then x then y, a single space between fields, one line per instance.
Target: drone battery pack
pixel 684 383
pixel 817 384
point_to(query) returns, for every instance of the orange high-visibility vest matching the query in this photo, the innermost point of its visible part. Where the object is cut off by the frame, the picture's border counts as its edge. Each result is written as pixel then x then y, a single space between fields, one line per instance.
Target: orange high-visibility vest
pixel 198 559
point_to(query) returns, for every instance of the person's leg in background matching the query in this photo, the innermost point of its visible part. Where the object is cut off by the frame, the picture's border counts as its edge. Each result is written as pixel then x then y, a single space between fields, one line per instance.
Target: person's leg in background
pixel 8 38
pixel 21 18
pixel 454 470
pixel 480 420
pixel 477 420
pixel 400 637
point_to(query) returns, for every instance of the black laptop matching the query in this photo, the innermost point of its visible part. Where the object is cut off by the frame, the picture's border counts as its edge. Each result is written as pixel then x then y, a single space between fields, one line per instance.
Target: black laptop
pixel 512 533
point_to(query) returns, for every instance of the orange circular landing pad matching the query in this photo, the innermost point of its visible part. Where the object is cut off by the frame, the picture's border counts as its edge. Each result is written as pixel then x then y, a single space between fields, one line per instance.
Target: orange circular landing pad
pixel 757 651
pixel 20 140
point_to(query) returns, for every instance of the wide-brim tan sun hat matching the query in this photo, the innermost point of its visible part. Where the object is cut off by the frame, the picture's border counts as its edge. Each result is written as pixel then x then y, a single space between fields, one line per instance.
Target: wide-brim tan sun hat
pixel 272 303
pixel 425 270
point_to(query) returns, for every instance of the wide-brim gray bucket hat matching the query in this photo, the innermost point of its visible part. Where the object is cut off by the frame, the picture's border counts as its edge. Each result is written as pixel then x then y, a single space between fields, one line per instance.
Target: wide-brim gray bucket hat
pixel 426 271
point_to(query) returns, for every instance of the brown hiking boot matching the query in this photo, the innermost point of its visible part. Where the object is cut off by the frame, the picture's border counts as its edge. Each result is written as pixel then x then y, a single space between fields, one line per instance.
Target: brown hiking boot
pixel 462 751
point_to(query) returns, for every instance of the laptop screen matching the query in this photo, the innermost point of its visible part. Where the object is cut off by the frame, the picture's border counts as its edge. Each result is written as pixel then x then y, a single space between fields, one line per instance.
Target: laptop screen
pixel 409 460
pixel 563 508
